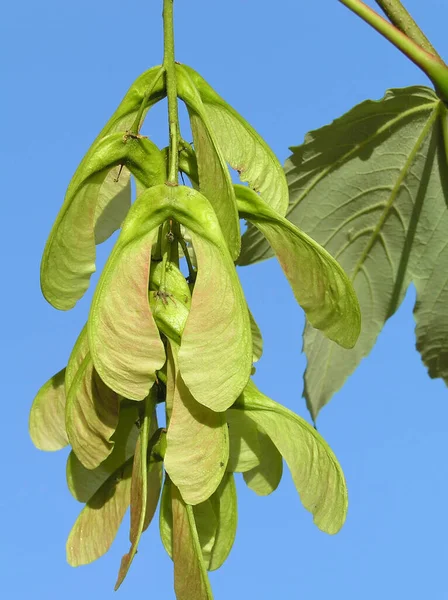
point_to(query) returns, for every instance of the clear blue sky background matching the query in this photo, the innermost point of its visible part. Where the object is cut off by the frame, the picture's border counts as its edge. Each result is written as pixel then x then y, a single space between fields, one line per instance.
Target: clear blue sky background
pixel 288 67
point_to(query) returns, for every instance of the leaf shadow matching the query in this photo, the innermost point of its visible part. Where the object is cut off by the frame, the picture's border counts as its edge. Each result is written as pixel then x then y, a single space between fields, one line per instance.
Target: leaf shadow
pixel 435 148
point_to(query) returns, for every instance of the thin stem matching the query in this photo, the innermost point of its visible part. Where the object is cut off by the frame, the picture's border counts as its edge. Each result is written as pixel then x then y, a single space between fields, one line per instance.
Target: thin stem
pixel 171 89
pixel 174 253
pixel 191 271
pixel 158 445
pixel 166 250
pixel 157 254
pixel 138 119
pixel 431 65
pixel 401 18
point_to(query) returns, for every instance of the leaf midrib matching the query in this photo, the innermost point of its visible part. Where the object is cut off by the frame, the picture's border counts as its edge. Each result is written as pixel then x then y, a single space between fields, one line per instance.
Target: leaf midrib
pixel 404 172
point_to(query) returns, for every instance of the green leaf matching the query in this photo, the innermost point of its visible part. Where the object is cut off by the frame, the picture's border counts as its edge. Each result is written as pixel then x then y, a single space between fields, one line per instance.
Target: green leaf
pixel 190 574
pixel 69 255
pixel 91 416
pixel 265 478
pixel 47 415
pixel 257 339
pixel 97 525
pixel 225 506
pixel 123 338
pixel 244 449
pixel 145 488
pixel 84 483
pixel 197 445
pixel 214 178
pixel 319 283
pixel 315 471
pixel 243 148
pixel 372 187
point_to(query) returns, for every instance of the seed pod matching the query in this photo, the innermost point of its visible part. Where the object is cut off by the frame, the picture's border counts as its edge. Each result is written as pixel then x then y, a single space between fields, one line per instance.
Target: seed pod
pixel 240 144
pixel 171 306
pixel 77 355
pixel 114 196
pixel 145 487
pixel 214 177
pixel 84 483
pixel 97 525
pixel 319 283
pixel 190 574
pixel 224 503
pixel 216 522
pixel 265 477
pixel 47 415
pixel 197 444
pixel 91 410
pixel 123 337
pixel 147 90
pixel 69 256
pixel 244 449
pixel 315 471
pixel 257 339
pixel 91 415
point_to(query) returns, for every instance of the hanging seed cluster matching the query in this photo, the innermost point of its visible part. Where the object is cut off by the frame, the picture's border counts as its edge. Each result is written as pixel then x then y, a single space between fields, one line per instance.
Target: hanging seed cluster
pixel 155 336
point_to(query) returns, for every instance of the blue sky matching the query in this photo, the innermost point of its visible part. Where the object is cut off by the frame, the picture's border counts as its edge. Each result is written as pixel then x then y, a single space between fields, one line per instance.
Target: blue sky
pixel 287 67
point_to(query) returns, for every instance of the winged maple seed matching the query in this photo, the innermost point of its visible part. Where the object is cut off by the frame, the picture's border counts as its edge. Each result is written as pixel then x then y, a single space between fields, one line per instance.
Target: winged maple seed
pixel 157 335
